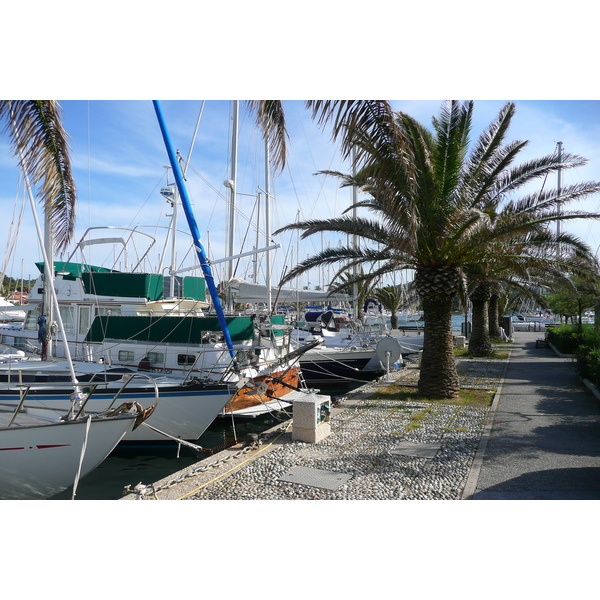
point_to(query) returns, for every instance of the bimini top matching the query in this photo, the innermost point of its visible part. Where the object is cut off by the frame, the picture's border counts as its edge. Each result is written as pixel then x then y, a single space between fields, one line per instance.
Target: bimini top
pixel 73 268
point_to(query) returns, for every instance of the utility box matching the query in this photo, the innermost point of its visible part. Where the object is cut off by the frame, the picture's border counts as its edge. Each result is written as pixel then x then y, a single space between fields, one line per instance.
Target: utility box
pixel 506 324
pixel 312 415
pixel 460 341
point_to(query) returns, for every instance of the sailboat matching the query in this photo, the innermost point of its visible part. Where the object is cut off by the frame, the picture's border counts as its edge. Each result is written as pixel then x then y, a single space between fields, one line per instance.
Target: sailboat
pixel 42 456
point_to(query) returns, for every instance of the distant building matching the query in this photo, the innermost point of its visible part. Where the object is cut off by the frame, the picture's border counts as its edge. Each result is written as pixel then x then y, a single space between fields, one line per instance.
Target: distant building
pixel 17 297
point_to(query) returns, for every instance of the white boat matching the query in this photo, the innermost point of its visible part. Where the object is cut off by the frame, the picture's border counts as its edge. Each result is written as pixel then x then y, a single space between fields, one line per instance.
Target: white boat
pixel 105 312
pixel 42 456
pixel 10 312
pixel 346 353
pixel 175 410
pixel 525 322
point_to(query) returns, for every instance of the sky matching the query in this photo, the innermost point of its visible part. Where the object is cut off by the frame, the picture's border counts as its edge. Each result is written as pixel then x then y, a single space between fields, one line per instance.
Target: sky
pixel 118 159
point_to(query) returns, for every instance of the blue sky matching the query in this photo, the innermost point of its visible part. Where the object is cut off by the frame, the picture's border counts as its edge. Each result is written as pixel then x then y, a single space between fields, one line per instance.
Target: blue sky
pixel 118 159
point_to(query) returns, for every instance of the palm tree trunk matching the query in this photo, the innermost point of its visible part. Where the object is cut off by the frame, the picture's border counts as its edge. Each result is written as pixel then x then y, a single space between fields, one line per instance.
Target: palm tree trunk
pixel 437 288
pixel 480 343
pixel 493 316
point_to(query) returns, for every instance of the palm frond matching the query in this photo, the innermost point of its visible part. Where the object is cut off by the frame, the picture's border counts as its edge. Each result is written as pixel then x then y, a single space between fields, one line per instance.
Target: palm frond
pixel 270 117
pixel 35 128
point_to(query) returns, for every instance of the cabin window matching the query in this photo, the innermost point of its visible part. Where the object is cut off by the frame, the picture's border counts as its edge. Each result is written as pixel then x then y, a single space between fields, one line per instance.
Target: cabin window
pixel 107 311
pixel 84 319
pixel 31 320
pixel 67 314
pixel 126 355
pixel 185 359
pixel 156 357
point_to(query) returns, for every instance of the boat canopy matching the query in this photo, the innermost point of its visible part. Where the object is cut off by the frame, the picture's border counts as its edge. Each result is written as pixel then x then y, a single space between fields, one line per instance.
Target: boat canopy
pixel 100 281
pixel 244 291
pixel 177 330
pixel 74 269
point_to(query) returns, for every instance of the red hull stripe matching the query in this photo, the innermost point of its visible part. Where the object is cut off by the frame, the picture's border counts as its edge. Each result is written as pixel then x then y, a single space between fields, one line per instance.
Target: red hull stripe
pixel 39 447
pixel 52 446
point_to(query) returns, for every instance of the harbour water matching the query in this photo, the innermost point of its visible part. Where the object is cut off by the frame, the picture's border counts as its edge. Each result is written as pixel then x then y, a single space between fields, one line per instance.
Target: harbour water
pixel 132 464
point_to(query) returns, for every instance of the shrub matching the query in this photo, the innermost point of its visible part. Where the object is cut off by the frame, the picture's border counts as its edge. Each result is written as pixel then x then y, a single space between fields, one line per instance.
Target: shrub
pixel 585 344
pixel 565 338
pixel 588 356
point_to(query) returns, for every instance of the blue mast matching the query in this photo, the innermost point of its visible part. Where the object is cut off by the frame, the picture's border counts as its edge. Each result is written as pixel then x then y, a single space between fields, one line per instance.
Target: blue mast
pixel 187 207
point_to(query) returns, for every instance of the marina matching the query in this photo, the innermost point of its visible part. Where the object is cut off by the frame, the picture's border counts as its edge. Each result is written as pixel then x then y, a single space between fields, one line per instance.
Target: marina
pixel 131 464
pixel 246 351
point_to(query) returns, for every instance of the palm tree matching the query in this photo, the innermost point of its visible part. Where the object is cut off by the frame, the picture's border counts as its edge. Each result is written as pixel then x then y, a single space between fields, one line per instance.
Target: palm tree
pixel 391 297
pixel 37 135
pixel 363 290
pixel 535 253
pixel 432 203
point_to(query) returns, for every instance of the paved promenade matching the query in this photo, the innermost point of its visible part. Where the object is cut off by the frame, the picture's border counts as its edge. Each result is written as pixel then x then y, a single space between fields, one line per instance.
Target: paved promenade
pixel 544 442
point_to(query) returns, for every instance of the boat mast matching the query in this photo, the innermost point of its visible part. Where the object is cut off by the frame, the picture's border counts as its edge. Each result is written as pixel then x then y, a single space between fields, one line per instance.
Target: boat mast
pixel 354 237
pixel 173 199
pixel 187 208
pixel 48 287
pixel 267 225
pixel 230 184
pixel 559 184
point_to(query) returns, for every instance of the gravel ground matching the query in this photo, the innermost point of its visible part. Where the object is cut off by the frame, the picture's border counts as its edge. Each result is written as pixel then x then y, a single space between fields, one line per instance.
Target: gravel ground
pixel 378 449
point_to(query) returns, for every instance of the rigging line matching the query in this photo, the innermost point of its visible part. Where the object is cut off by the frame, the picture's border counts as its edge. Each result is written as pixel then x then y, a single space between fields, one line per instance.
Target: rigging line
pixel 89 164
pixel 12 236
pixel 237 264
pixel 238 211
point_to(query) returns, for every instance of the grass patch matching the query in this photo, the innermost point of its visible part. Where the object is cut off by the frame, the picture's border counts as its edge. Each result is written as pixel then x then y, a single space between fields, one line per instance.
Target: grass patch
pixel 415 422
pixel 464 353
pixel 467 397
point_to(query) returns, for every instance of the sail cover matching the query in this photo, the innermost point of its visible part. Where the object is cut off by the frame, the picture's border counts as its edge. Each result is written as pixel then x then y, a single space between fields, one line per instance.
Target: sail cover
pixel 244 291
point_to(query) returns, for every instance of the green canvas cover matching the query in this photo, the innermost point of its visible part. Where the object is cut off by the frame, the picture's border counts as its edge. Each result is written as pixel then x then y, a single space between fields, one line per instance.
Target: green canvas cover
pixel 73 268
pixel 278 320
pixel 180 330
pixel 128 285
pixel 194 288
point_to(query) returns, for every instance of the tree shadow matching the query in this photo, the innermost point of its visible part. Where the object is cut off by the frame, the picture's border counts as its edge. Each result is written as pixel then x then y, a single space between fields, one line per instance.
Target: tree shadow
pixel 581 483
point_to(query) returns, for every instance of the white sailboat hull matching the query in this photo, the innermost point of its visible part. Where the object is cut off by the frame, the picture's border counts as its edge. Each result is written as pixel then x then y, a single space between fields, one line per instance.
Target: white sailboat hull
pixel 180 413
pixel 39 460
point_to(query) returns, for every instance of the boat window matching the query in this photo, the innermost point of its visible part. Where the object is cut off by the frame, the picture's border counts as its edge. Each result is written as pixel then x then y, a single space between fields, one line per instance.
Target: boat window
pixel 126 355
pixel 107 311
pixel 156 357
pixel 67 314
pixel 31 319
pixel 84 319
pixel 185 359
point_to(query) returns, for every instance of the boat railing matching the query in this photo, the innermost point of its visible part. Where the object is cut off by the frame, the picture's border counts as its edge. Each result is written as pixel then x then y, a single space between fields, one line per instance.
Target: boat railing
pixel 82 393
pixel 128 378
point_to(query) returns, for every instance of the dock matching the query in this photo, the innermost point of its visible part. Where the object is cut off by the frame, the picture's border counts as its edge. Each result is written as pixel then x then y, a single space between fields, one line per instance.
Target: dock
pixel 385 449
